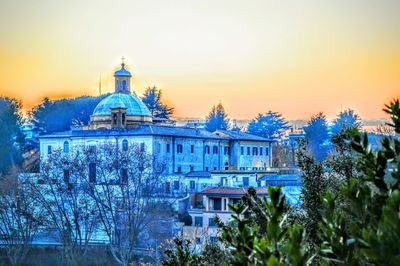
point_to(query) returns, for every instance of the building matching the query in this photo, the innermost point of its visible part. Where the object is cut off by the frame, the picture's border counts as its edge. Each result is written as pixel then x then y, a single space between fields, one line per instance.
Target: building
pixel 123 119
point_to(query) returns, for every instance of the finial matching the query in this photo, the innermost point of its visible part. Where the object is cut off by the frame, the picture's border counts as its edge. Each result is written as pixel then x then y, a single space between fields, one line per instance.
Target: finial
pixel 123 62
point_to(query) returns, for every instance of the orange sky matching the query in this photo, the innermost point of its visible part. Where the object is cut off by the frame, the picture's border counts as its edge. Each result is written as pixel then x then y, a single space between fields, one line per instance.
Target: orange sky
pixel 295 57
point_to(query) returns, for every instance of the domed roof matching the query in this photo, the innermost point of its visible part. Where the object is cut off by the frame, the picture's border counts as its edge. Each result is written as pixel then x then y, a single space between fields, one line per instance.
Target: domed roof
pixel 133 105
pixel 122 72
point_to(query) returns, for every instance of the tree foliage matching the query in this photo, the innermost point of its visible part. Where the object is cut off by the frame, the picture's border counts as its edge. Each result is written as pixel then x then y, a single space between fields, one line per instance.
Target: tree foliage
pixel 152 98
pixel 270 125
pixel 217 119
pixel 317 136
pixel 347 119
pixel 59 115
pixel 12 140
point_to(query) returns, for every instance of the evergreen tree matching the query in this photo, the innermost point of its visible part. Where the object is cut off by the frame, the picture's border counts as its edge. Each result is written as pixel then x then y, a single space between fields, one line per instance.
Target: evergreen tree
pixel 317 136
pixel 152 98
pixel 217 119
pixel 12 139
pixel 346 120
pixel 270 125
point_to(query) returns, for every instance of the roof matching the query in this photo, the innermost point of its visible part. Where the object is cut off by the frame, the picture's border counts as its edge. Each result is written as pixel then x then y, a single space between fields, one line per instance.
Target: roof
pixel 236 134
pixel 202 174
pixel 122 72
pixel 146 129
pixel 134 106
pixel 230 191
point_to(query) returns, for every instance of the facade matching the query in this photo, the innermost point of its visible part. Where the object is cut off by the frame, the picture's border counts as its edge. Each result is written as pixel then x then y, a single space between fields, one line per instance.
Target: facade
pixel 123 119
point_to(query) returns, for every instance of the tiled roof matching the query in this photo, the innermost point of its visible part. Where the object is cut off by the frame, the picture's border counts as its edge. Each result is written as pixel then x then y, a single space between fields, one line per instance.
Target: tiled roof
pixel 157 130
pixel 229 191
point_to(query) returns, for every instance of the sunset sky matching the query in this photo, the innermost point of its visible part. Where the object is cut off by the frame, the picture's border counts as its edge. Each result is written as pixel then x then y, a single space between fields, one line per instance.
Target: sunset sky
pixel 294 57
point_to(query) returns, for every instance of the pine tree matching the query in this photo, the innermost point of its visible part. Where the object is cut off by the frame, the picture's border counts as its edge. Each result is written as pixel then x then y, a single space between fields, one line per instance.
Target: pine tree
pixel 317 136
pixel 217 119
pixel 152 98
pixel 347 119
pixel 270 125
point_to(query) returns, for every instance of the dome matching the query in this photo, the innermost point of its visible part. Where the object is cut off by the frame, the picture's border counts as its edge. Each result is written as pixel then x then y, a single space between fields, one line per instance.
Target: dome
pixel 122 72
pixel 134 106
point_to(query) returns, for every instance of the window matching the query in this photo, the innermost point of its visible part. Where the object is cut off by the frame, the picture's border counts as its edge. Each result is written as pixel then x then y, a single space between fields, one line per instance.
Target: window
pixel 92 148
pixel 207 149
pixel 179 169
pixel 49 149
pixel 191 168
pixel 198 221
pixel 179 148
pixel 66 146
pixel 226 166
pixel 217 204
pixel 225 205
pixel 124 175
pixel 266 151
pixel 261 151
pixel 115 119
pixel 176 185
pixel 142 147
pixel 168 148
pixel 241 150
pixel 192 184
pixel 207 168
pixel 245 181
pixel 191 148
pixel 255 151
pixel 124 85
pixel 215 149
pixel 66 176
pixel 215 168
pixel 248 150
pixel 167 187
pixel 92 172
pixel 211 222
pixel 125 145
pixel 227 150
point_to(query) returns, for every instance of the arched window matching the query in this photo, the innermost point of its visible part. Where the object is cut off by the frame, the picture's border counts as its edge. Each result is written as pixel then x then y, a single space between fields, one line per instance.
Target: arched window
pixel 215 149
pixel 124 145
pixel 66 146
pixel 124 85
pixel 207 149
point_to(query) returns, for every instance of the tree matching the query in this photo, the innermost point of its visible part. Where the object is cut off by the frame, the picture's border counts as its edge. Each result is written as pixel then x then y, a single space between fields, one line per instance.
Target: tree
pixel 347 119
pixel 274 243
pixel 125 187
pixel 20 218
pixel 152 99
pixel 313 188
pixel 365 231
pixel 317 136
pixel 217 119
pixel 62 192
pixel 270 125
pixel 59 115
pixel 12 140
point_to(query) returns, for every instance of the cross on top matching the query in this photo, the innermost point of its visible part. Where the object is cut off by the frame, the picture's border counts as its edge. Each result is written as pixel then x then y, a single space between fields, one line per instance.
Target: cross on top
pixel 123 60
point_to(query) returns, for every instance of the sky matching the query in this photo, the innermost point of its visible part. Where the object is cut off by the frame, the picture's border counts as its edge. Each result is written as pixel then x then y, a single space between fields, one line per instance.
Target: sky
pixel 294 57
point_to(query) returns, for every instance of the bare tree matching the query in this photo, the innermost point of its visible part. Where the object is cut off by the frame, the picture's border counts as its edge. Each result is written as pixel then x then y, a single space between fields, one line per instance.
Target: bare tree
pixel 20 218
pixel 125 185
pixel 62 193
